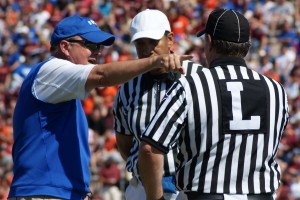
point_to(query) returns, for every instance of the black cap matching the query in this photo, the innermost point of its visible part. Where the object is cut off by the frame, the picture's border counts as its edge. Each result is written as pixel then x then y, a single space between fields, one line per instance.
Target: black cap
pixel 227 25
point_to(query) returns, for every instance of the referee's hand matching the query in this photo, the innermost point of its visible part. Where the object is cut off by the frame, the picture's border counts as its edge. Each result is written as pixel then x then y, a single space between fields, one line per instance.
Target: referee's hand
pixel 171 62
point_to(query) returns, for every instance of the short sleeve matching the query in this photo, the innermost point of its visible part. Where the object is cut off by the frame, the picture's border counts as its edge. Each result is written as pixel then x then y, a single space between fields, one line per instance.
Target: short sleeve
pixel 120 122
pixel 60 80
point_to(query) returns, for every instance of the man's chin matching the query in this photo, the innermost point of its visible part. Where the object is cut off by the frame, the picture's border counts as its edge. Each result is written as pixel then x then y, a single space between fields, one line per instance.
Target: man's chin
pixel 158 71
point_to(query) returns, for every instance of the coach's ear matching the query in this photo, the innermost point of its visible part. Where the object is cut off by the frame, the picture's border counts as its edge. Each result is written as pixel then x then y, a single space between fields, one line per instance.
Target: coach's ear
pixel 65 48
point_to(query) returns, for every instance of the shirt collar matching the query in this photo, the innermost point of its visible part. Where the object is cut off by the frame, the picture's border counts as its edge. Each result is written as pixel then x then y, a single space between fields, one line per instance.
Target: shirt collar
pixel 228 60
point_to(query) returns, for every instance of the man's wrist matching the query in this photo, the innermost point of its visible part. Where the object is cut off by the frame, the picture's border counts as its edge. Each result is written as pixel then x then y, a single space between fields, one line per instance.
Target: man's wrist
pixel 156 61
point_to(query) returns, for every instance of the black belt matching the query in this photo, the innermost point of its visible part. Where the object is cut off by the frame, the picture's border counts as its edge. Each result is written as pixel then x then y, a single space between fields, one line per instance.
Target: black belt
pixel 201 196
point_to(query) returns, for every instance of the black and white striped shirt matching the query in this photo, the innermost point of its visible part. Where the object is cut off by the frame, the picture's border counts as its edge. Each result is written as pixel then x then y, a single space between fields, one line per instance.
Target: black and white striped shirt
pixel 135 105
pixel 228 121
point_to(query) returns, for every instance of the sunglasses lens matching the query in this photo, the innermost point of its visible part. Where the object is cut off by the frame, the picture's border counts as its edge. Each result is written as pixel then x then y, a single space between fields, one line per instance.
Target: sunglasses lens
pixel 88 45
pixel 92 46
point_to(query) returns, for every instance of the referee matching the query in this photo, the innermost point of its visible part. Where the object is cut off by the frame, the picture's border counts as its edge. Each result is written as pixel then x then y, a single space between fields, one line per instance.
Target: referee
pixel 227 119
pixel 138 99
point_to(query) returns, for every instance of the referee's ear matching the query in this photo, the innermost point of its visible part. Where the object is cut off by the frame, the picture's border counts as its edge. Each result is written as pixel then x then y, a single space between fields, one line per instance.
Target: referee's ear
pixel 170 37
pixel 208 41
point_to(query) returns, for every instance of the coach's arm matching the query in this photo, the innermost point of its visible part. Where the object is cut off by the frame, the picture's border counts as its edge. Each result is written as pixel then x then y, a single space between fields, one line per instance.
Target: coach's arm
pixel 151 170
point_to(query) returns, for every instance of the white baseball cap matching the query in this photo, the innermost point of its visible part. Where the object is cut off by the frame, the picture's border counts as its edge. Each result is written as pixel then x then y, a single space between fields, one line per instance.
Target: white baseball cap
pixel 149 24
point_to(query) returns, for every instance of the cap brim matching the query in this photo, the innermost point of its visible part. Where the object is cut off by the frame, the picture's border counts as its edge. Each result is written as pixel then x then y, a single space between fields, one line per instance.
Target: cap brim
pixel 99 37
pixel 200 33
pixel 155 35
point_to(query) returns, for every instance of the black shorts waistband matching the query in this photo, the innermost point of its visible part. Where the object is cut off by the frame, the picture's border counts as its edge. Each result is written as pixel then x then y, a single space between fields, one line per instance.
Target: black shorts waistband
pixel 202 196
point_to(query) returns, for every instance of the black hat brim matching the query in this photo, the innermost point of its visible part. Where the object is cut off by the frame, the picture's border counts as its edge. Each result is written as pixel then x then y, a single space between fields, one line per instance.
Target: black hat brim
pixel 200 33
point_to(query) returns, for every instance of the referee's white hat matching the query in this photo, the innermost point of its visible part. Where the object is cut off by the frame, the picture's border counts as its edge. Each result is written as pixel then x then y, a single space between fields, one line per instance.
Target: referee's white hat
pixel 149 23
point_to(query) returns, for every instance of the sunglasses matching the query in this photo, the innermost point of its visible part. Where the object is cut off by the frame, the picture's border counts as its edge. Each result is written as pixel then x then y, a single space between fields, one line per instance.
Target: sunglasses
pixel 89 45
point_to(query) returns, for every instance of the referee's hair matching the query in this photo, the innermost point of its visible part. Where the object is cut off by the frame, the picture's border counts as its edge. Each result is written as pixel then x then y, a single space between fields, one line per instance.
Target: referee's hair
pixel 231 48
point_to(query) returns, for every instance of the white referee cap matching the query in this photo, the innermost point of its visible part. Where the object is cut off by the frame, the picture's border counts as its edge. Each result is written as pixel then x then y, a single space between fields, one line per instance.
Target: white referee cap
pixel 149 24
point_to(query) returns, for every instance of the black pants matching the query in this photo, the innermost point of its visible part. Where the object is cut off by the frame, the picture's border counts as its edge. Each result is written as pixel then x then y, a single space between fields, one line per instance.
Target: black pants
pixel 199 196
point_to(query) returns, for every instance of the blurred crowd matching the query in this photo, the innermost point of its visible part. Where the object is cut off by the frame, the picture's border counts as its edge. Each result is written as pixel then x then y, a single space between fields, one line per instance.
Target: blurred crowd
pixel 25 30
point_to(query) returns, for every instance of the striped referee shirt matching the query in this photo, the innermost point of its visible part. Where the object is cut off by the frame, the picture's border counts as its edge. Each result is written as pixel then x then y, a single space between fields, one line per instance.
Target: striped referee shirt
pixel 135 105
pixel 228 121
